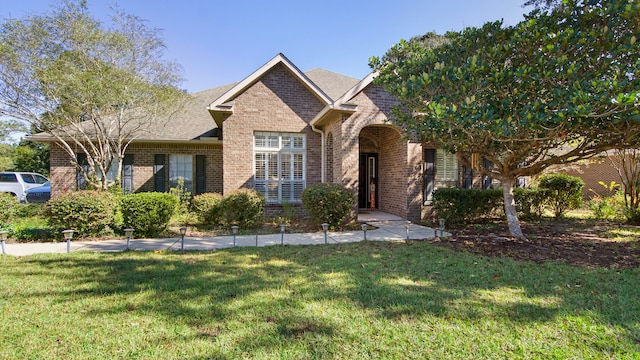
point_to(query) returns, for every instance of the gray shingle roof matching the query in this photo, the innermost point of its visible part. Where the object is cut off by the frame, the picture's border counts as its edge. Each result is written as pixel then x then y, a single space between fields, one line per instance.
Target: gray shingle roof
pixel 333 84
pixel 195 121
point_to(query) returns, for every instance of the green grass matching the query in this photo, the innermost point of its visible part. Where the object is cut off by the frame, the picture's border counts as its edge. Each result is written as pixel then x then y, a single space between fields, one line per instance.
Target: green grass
pixel 352 301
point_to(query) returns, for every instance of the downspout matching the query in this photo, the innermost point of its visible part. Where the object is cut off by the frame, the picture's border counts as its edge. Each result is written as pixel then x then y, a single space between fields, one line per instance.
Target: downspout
pixel 322 152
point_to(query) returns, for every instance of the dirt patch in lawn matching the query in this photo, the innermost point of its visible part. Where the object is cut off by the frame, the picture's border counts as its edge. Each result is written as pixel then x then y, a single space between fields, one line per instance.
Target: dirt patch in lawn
pixel 574 242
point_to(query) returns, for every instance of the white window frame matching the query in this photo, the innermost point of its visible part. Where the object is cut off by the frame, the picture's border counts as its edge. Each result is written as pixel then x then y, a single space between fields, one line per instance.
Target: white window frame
pixel 280 166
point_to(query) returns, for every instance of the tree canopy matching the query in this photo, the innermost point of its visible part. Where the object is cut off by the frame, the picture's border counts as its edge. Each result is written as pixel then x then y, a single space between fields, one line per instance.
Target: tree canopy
pixel 560 86
pixel 92 88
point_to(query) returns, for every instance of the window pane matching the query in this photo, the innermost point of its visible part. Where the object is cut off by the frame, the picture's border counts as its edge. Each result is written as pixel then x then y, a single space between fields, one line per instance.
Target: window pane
pixel 298 142
pixel 273 141
pixel 297 190
pixel 181 168
pixel 272 191
pixel 298 166
pixel 260 141
pixel 285 167
pixel 272 166
pixel 261 166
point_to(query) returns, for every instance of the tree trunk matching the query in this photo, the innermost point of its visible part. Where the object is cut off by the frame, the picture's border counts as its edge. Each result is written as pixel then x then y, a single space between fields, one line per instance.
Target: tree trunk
pixel 510 209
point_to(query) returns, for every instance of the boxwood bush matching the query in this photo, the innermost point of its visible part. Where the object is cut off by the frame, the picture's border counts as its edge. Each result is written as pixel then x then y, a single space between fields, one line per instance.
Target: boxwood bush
pixel 242 207
pixel 88 212
pixel 148 213
pixel 329 203
pixel 207 207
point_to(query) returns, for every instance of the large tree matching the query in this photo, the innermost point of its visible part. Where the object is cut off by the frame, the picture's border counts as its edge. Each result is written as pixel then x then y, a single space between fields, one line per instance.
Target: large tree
pixel 560 86
pixel 92 88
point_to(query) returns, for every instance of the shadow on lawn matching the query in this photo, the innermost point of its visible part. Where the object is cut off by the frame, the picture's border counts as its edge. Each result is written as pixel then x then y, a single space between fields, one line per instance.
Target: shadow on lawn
pixel 271 288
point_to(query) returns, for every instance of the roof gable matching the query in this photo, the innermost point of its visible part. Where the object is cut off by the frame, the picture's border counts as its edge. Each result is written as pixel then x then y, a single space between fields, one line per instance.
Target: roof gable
pixel 224 104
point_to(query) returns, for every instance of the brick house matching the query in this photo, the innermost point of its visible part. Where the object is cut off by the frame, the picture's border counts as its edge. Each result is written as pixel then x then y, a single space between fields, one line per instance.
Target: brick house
pixel 280 130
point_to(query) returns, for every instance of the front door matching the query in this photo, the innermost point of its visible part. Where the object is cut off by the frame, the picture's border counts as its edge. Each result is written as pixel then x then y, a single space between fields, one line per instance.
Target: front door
pixel 368 180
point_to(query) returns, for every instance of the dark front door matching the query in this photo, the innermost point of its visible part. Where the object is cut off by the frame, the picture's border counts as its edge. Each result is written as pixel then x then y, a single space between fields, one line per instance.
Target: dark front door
pixel 368 180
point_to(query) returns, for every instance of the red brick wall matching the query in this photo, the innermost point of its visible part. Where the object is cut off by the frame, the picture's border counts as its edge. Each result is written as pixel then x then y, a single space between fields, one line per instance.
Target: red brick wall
pixel 400 177
pixel 593 172
pixel 279 102
pixel 63 172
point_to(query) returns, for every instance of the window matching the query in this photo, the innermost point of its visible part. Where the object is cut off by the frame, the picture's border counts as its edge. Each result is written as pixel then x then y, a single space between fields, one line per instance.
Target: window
pixel 8 178
pixel 439 170
pixel 181 168
pixel 279 166
pixel 446 169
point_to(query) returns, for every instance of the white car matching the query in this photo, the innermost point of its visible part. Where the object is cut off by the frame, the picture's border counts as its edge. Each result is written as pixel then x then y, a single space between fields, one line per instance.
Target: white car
pixel 16 183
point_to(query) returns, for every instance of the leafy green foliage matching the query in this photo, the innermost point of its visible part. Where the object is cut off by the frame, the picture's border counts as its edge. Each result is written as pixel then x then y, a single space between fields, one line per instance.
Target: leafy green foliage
pixel 64 66
pixel 34 229
pixel 459 205
pixel 329 203
pixel 30 156
pixel 558 87
pixel 564 192
pixel 8 207
pixel 207 207
pixel 530 202
pixel 87 212
pixel 242 207
pixel 148 213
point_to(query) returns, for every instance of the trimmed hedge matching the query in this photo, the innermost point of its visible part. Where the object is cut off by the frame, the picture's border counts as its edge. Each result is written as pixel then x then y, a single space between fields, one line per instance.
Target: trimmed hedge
pixel 87 212
pixel 242 207
pixel 530 202
pixel 328 202
pixel 207 207
pixel 148 213
pixel 459 205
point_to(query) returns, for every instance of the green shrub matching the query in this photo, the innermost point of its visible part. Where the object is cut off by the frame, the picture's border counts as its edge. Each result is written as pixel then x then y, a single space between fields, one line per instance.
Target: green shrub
pixel 329 203
pixel 88 212
pixel 564 192
pixel 242 207
pixel 458 205
pixel 183 197
pixel 8 207
pixel 30 210
pixel 34 229
pixel 207 207
pixel 530 202
pixel 148 213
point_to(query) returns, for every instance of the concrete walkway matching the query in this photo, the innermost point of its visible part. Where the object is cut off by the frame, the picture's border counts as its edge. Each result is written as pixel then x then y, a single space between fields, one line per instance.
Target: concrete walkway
pixel 383 227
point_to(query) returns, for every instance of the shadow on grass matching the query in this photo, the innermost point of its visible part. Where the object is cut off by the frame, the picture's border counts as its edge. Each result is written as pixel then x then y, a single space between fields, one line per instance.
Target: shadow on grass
pixel 275 295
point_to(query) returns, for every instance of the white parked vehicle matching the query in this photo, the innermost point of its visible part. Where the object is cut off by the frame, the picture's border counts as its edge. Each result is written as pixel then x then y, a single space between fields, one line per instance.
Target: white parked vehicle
pixel 16 183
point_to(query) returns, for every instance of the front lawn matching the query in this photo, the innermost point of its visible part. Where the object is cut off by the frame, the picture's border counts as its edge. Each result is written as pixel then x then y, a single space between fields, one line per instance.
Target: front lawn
pixel 352 301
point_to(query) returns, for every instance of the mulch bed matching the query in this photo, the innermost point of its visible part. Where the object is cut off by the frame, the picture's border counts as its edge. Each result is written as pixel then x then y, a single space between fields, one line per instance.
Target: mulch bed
pixel 573 242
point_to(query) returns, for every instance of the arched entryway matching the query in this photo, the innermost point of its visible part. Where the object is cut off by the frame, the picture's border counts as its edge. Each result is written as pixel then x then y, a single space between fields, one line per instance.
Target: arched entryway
pixel 382 169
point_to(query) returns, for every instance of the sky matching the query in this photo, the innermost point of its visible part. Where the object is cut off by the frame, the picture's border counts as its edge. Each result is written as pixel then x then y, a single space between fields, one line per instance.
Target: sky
pixel 220 42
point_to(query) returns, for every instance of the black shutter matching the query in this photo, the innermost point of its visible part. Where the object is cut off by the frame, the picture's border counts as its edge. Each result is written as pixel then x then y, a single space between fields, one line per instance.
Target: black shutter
pixel 81 182
pixel 127 174
pixel 159 172
pixel 467 177
pixel 429 170
pixel 487 181
pixel 201 181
